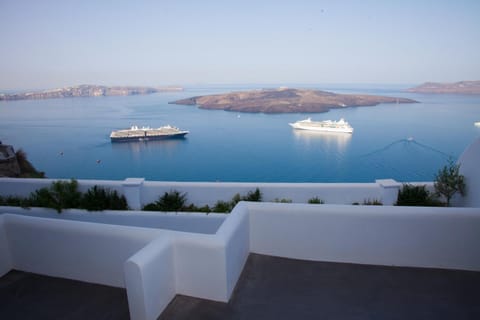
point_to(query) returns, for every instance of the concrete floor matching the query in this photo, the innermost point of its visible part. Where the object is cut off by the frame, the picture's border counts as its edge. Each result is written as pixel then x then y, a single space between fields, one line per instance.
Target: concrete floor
pixel 29 296
pixel 278 288
pixel 269 288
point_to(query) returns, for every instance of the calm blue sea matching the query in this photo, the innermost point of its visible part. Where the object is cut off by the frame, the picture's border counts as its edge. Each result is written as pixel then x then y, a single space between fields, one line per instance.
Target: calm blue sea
pixel 70 138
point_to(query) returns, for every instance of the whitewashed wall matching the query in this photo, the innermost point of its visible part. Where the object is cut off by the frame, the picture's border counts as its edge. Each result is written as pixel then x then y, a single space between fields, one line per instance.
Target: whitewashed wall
pixel 402 236
pixel 71 249
pixel 154 265
pixel 179 221
pixel 139 192
pixel 150 279
pixel 5 257
pixel 470 167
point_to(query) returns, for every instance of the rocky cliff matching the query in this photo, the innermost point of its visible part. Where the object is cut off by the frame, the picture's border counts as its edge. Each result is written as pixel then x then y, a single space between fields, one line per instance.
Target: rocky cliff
pixel 86 91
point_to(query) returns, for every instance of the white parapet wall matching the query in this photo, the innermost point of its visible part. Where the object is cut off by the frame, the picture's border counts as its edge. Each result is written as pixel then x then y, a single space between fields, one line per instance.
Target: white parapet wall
pixel 469 167
pixel 383 235
pixel 152 264
pixel 6 263
pixel 71 249
pixel 150 279
pixel 155 264
pixel 194 222
pixel 139 192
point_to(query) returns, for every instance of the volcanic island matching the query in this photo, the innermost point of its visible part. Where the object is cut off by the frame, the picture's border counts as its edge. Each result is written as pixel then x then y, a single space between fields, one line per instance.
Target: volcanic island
pixel 461 87
pixel 286 100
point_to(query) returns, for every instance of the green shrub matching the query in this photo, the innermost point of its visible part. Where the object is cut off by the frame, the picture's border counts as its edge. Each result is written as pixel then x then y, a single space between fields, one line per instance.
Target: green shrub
pixel 411 195
pixel 373 202
pixel 449 181
pixel 283 200
pixel 14 201
pixel 255 196
pixel 170 201
pixel 227 206
pixel 194 208
pixel 315 200
pixel 236 199
pixel 98 198
pixel 64 194
pixel 222 207
pixel 151 207
pixel 60 195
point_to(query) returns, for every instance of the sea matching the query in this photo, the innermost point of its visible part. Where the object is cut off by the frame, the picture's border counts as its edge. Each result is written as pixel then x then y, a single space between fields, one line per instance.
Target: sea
pixel 69 138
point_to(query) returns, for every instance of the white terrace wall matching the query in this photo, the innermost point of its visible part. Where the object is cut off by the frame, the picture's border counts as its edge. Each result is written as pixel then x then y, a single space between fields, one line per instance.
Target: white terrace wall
pixel 155 264
pixel 6 263
pixel 384 235
pixel 72 249
pixel 178 221
pixel 470 167
pixel 152 264
pixel 139 192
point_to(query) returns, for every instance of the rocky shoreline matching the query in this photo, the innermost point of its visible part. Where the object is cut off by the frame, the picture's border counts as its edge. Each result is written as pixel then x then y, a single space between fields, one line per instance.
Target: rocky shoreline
pixel 286 100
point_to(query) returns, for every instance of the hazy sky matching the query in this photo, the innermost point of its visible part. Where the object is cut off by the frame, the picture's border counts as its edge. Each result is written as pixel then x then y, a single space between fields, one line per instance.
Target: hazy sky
pixel 46 44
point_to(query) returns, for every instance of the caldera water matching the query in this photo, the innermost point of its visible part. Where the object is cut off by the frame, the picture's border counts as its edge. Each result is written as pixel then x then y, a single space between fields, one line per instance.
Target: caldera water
pixel 69 138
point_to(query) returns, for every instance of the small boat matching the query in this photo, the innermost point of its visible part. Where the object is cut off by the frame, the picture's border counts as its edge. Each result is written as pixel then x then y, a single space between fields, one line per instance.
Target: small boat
pixel 327 125
pixel 146 133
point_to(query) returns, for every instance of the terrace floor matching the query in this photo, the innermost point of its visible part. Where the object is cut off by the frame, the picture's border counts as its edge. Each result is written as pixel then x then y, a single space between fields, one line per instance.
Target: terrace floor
pixel 269 288
pixel 278 288
pixel 30 296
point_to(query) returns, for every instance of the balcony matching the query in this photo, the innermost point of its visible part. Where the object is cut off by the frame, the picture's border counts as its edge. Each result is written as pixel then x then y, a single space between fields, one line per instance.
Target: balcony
pixel 293 260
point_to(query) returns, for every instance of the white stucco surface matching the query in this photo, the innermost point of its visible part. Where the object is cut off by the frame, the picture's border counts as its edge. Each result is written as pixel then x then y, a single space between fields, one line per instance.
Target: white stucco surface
pixel 155 264
pixel 150 279
pixel 5 257
pixel 401 236
pixel 470 167
pixel 178 221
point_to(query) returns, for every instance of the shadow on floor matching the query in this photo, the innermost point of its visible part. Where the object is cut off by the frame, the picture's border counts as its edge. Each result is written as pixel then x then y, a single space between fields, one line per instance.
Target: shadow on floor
pixel 31 296
pixel 279 288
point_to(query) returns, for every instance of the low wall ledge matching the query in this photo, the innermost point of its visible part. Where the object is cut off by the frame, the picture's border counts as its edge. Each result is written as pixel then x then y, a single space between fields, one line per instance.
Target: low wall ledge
pixel 388 183
pixel 133 182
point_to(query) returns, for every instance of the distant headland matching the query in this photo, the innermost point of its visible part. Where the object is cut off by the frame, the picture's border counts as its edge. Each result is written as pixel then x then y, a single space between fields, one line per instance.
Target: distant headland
pixel 461 87
pixel 286 100
pixel 86 90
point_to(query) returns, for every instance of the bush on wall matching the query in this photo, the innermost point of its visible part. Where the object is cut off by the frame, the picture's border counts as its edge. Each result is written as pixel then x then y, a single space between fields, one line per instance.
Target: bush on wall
pixel 65 195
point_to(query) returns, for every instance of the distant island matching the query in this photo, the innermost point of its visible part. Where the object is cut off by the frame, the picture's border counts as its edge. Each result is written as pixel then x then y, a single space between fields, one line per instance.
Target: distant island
pixel 86 90
pixel 286 100
pixel 461 87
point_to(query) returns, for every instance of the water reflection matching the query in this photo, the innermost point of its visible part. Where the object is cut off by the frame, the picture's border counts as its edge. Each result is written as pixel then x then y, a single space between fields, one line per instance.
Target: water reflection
pixel 138 147
pixel 336 140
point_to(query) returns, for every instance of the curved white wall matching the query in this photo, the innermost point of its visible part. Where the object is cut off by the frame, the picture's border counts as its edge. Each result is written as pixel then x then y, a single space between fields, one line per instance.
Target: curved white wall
pixel 470 167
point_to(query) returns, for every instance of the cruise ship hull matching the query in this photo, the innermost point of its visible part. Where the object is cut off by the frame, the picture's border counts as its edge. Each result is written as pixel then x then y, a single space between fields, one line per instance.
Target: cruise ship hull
pixel 323 126
pixel 147 133
pixel 148 138
pixel 322 129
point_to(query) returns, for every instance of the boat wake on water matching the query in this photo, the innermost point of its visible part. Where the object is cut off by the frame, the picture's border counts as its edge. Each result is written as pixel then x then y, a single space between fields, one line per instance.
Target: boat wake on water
pixel 406 142
pixel 404 166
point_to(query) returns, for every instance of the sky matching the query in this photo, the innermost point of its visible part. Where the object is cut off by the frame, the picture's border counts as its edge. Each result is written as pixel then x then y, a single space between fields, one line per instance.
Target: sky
pixel 49 44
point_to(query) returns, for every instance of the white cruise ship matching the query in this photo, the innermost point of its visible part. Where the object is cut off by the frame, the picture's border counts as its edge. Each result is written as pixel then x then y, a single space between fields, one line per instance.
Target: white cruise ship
pixel 147 133
pixel 327 125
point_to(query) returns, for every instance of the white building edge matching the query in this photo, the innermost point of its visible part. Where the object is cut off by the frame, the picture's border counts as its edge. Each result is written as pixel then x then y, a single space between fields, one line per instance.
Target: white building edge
pixel 203 255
